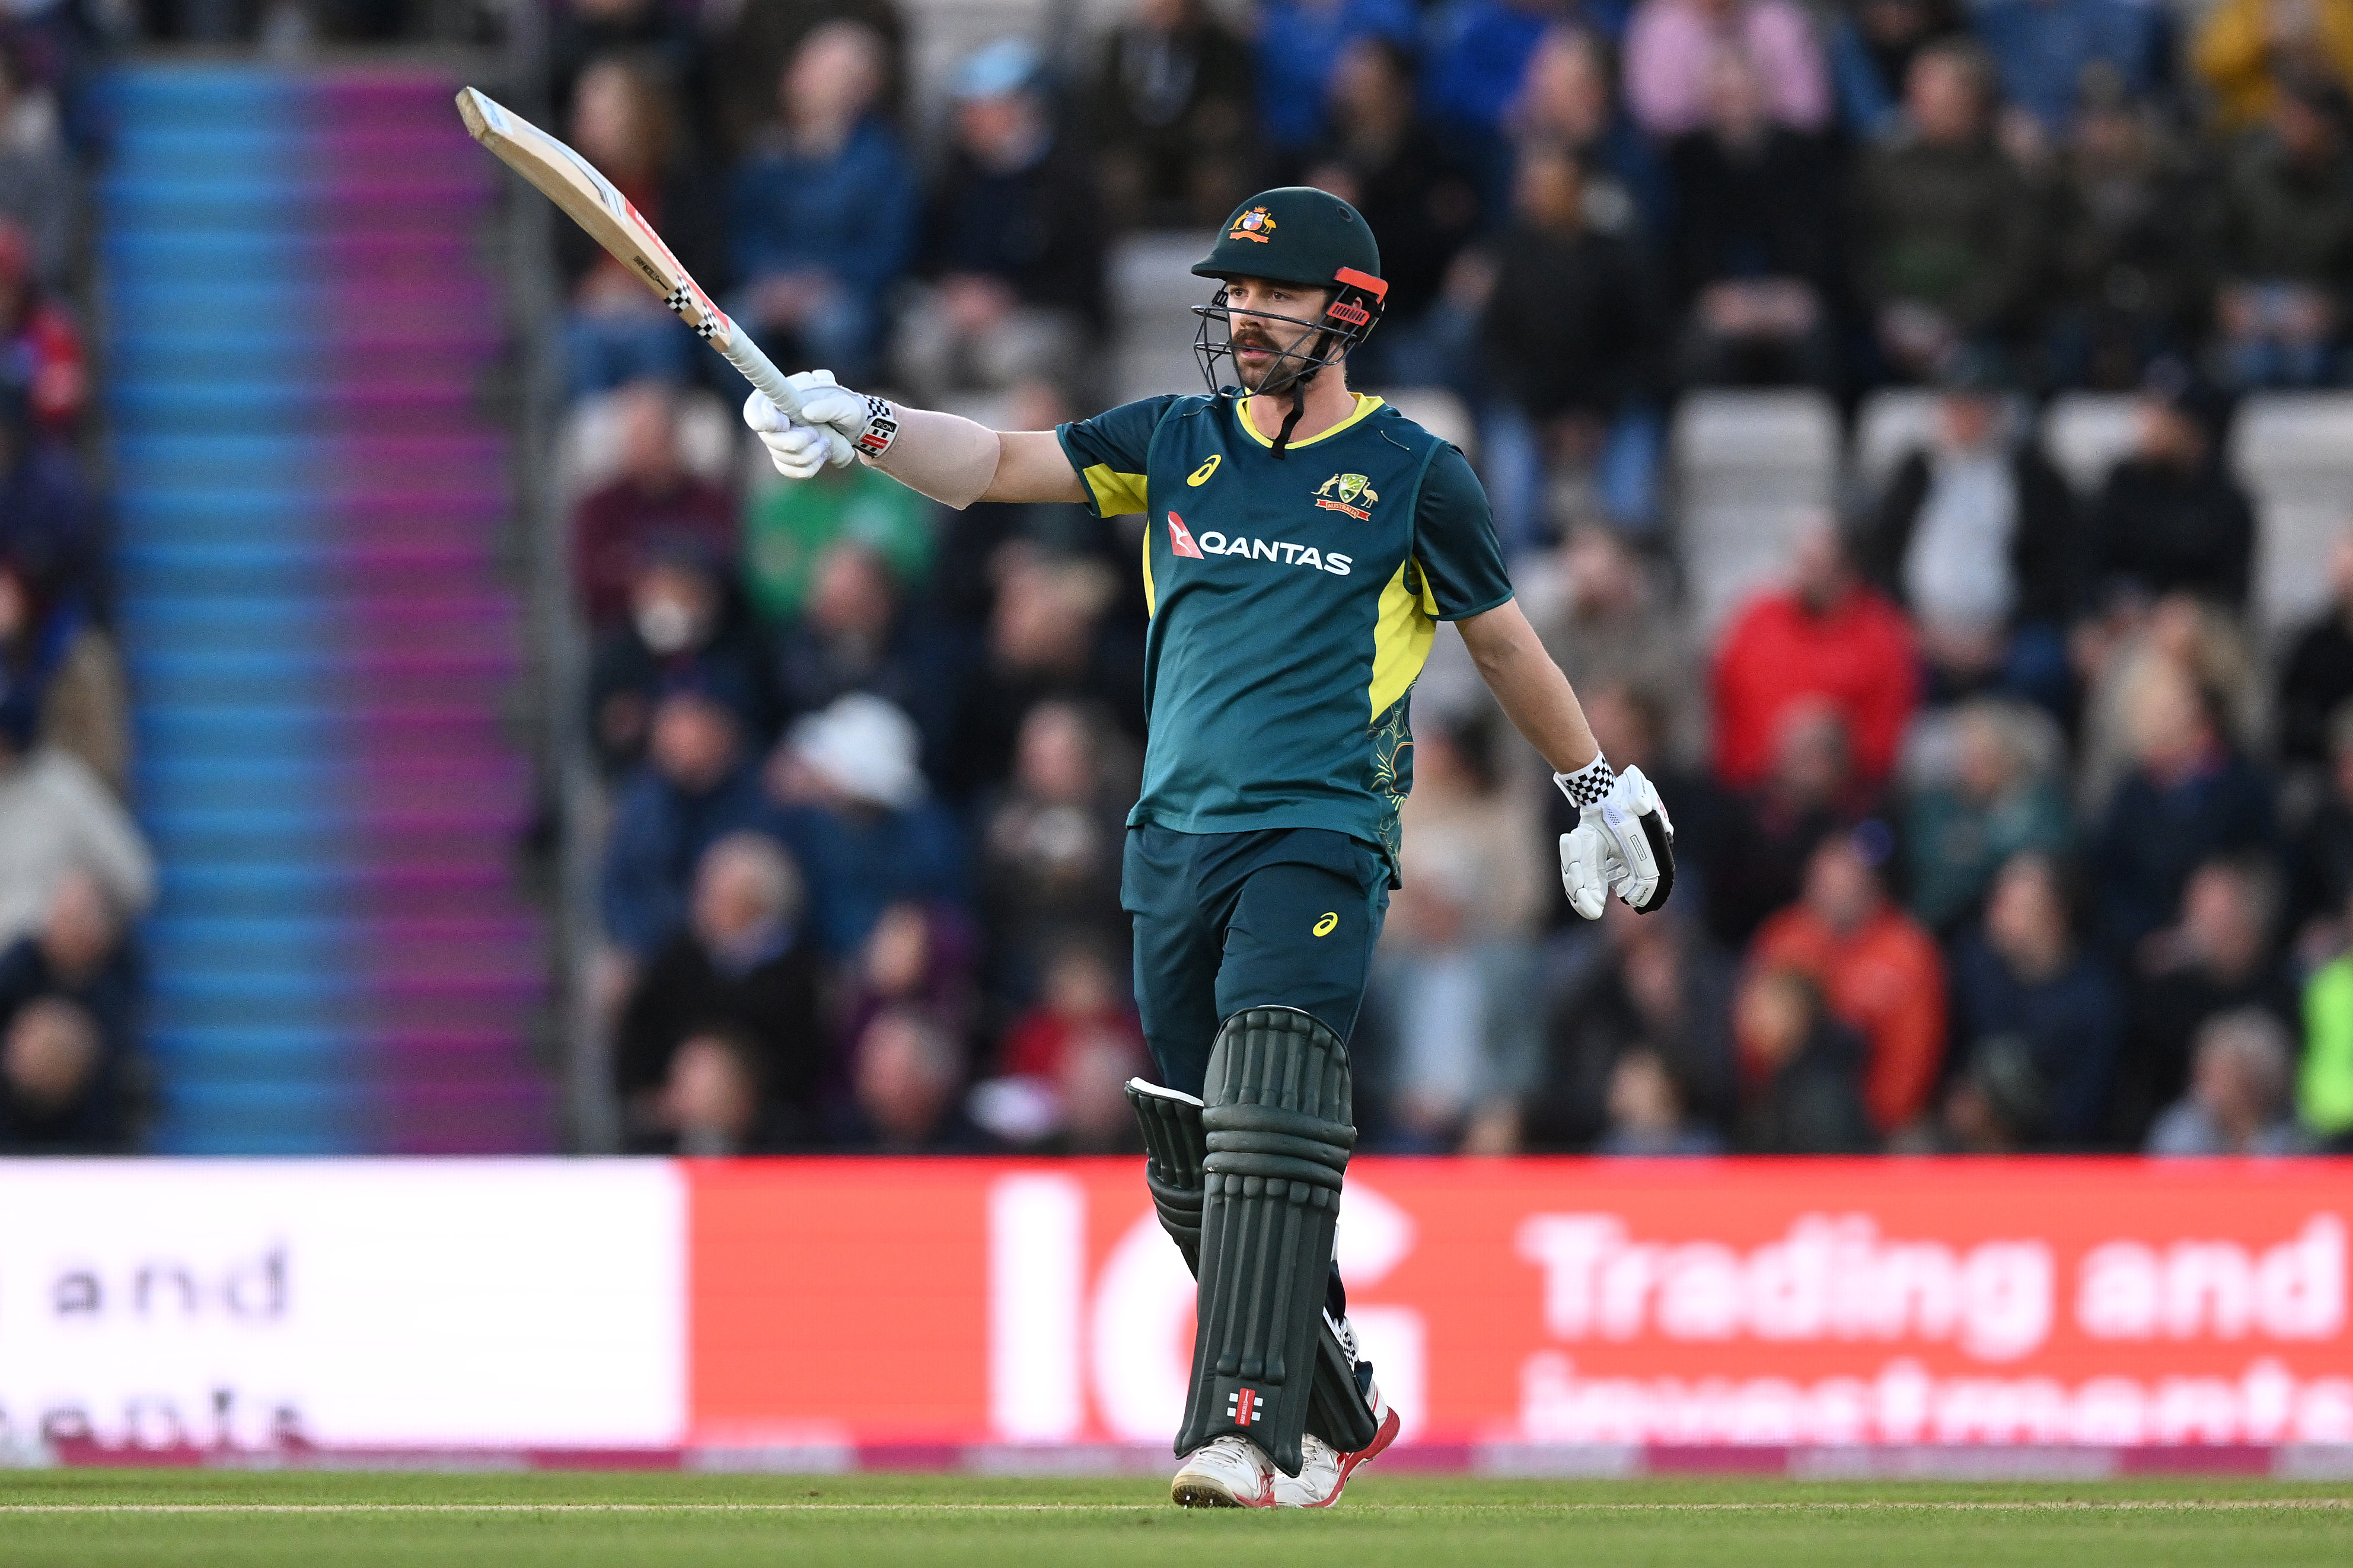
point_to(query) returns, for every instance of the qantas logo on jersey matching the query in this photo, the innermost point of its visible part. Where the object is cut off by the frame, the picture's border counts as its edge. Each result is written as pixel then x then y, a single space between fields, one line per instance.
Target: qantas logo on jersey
pixel 1281 552
pixel 1180 539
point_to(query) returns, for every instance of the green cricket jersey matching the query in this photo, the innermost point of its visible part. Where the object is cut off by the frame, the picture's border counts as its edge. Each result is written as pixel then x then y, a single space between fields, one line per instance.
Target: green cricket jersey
pixel 1292 603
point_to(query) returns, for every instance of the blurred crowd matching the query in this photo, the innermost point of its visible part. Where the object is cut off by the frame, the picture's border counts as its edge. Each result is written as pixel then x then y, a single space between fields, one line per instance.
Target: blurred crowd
pixel 2001 829
pixel 74 870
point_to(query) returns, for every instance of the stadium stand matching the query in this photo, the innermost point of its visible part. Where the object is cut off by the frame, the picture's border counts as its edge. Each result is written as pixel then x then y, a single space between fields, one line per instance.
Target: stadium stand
pixel 318 632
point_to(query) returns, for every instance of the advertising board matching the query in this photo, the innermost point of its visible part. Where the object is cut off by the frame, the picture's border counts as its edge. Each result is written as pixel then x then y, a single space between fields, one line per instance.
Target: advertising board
pixel 826 1312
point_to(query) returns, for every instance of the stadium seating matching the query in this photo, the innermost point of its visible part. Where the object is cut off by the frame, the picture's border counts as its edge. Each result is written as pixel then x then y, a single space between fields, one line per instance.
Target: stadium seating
pixel 311 493
pixel 2294 451
pixel 1751 470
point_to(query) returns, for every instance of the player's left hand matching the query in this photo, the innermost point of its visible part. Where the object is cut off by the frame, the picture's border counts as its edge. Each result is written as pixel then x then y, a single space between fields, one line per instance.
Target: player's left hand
pixel 1625 844
pixel 818 439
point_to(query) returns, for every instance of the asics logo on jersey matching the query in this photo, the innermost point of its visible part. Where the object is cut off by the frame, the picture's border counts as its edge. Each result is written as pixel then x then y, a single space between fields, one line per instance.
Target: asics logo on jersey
pixel 1328 925
pixel 1200 475
pixel 1339 493
pixel 1281 552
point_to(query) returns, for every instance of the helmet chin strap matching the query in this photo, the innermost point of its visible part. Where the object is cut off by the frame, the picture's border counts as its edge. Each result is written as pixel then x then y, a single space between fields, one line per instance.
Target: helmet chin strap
pixel 1299 396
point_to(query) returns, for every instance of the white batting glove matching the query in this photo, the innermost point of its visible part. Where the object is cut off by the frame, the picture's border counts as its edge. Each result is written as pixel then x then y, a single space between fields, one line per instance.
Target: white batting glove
pixel 834 425
pixel 1624 842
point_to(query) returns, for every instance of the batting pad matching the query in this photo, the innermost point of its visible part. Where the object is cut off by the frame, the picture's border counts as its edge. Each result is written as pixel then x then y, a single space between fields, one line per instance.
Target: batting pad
pixel 1279 1129
pixel 1175 1146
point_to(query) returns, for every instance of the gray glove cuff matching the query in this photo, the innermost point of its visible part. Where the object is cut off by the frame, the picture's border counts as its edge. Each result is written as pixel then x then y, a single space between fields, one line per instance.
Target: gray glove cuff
pixel 1588 785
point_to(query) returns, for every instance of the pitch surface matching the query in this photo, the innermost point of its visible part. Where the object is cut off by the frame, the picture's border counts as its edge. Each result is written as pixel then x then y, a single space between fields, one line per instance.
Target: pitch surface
pixel 93 1518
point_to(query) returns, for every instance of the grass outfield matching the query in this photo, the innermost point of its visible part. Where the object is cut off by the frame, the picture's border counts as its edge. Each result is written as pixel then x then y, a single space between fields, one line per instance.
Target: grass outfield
pixel 91 1519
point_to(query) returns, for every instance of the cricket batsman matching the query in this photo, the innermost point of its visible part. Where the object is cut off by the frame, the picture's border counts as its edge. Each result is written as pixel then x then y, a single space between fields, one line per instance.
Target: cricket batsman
pixel 1301 543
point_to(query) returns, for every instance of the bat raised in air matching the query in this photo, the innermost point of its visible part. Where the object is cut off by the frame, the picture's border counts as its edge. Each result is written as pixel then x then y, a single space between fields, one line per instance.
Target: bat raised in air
pixel 589 199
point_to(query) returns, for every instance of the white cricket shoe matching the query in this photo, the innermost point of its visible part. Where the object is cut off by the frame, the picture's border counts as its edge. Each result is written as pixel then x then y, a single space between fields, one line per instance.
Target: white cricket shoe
pixel 1324 1470
pixel 1231 1471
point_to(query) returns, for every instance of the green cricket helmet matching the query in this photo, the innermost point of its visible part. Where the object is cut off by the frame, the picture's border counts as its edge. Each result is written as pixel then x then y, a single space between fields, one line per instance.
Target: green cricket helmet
pixel 1295 234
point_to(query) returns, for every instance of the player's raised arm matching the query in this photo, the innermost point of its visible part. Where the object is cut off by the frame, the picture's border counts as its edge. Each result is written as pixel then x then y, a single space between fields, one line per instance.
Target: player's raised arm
pixel 946 457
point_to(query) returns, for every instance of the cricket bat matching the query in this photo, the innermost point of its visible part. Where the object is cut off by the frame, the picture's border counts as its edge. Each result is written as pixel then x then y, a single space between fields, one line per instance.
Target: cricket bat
pixel 588 199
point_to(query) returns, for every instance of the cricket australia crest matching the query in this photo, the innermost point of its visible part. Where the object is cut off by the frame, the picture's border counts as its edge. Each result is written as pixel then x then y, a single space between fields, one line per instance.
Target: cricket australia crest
pixel 1343 492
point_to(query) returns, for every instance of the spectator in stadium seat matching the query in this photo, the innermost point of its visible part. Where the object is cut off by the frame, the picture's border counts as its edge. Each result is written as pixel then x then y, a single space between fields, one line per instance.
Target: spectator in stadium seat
pixel 583 33
pixel 2133 242
pixel 1606 620
pixel 1673 47
pixel 2219 957
pixel 694 787
pixel 740 981
pixel 1975 535
pixel 56 1089
pixel 2171 519
pixel 41 355
pixel 922 954
pixel 1298 48
pixel 1050 635
pixel 1647 1118
pixel 826 208
pixel 906 1073
pixel 790 529
pixel 651 505
pixel 1998 797
pixel 2116 648
pixel 1872 44
pixel 1480 51
pixel 2036 1019
pixel 1567 99
pixel 2242 46
pixel 2316 679
pixel 624 122
pixel 36 180
pixel 1653 987
pixel 1570 327
pixel 1012 240
pixel 2320 853
pixel 1420 200
pixel 1752 851
pixel 2324 1080
pixel 1456 955
pixel 52 522
pixel 81 957
pixel 854 634
pixel 687 626
pixel 854 806
pixel 1828 634
pixel 1752 251
pixel 1051 846
pixel 57 818
pixel 749 53
pixel 1801 1071
pixel 52 656
pixel 1064 1058
pixel 2241 1098
pixel 1879 971
pixel 2191 796
pixel 1173 117
pixel 2288 241
pixel 1951 235
pixel 2043 49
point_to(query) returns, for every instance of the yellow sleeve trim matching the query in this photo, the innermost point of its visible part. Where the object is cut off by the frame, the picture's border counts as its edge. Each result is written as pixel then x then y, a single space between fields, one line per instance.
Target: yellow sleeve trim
pixel 1151 599
pixel 1401 640
pixel 1115 493
pixel 1365 403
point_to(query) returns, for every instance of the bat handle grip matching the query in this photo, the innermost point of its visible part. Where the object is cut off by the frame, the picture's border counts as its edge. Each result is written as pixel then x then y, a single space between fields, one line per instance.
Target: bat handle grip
pixel 759 369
